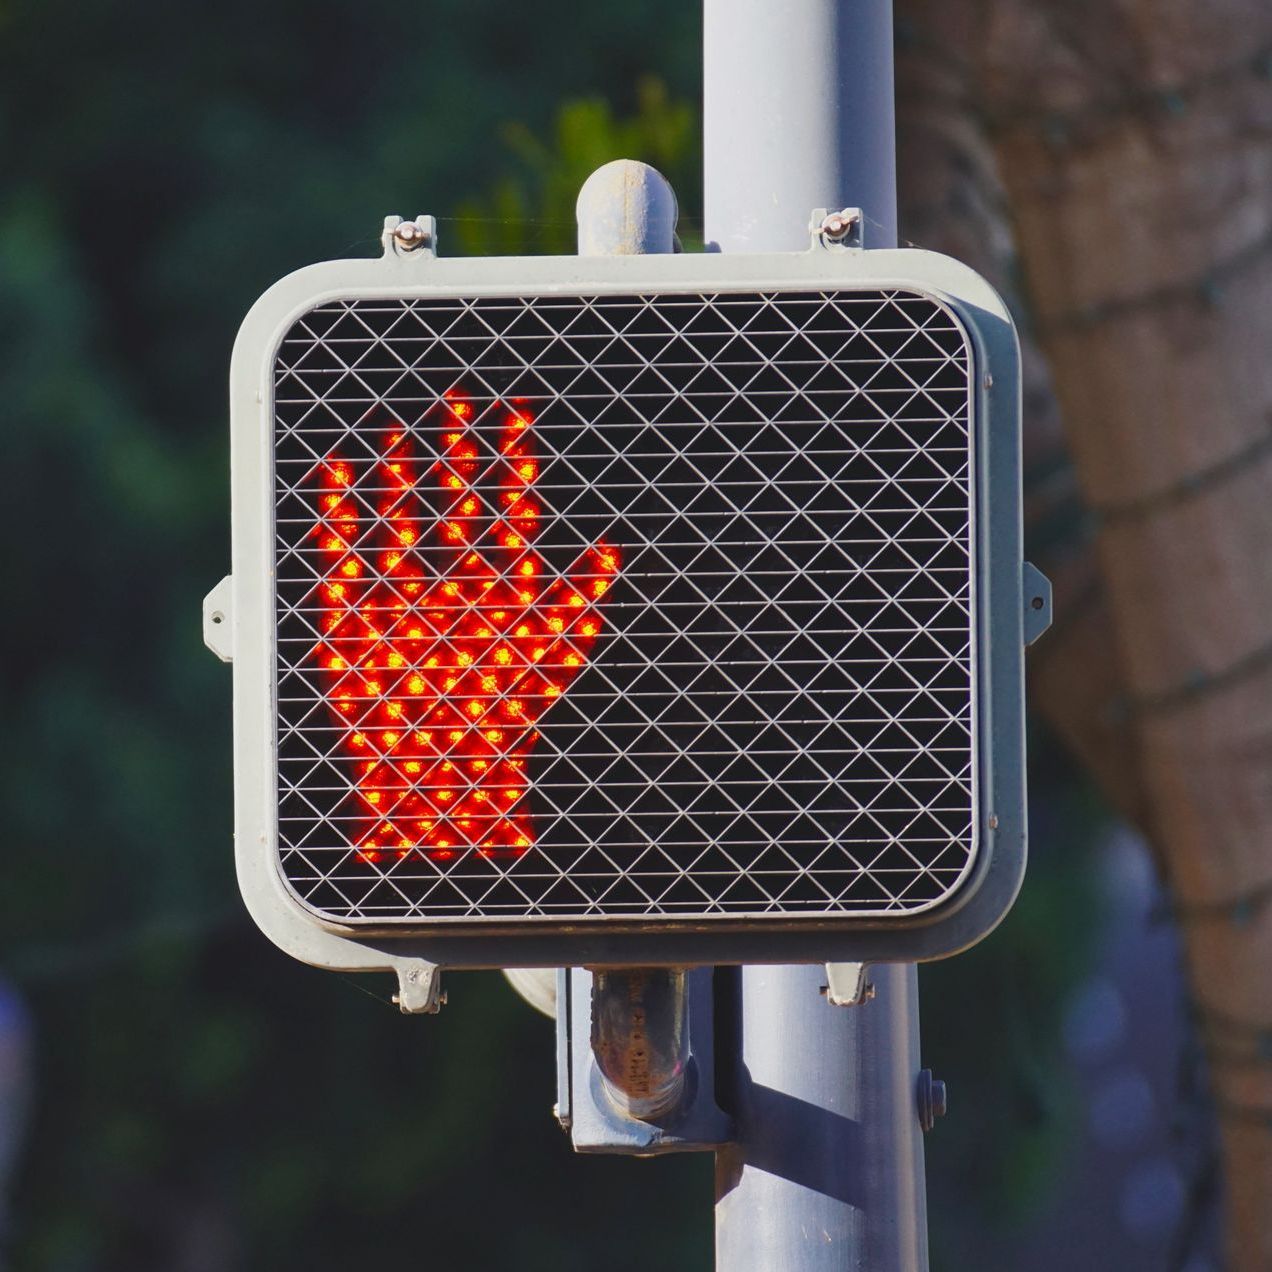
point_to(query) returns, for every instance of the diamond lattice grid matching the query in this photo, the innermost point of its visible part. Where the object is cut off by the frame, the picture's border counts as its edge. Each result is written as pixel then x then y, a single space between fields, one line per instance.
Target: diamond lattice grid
pixel 773 712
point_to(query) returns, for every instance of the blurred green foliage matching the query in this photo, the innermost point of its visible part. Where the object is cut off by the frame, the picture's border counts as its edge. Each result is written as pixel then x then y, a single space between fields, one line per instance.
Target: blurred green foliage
pixel 202 1102
pixel 531 210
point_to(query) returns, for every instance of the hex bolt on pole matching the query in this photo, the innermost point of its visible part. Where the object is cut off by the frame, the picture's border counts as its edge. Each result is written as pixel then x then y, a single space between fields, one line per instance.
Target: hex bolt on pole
pixel 932 1098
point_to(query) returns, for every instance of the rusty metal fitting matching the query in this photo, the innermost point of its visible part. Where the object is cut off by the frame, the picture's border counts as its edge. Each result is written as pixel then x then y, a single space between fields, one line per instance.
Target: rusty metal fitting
pixel 838 225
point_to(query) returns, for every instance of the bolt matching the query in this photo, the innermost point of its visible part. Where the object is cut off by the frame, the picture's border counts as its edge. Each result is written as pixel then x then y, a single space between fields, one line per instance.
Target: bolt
pixel 932 1099
pixel 409 235
pixel 837 224
pixel 940 1098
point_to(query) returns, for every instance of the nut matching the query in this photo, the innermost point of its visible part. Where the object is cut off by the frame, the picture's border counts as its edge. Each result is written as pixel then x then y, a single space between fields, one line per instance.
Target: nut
pixel 409 235
pixel 837 224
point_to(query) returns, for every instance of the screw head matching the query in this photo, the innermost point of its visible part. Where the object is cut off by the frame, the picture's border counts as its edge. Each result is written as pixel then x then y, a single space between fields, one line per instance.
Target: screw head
pixel 837 225
pixel 408 236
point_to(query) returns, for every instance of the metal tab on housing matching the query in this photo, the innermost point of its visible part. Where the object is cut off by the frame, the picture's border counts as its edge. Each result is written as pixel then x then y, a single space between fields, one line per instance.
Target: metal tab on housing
pixel 218 626
pixel 1036 593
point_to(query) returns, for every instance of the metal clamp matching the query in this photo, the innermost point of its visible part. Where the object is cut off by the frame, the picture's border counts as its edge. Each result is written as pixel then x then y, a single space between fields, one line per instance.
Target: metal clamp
pixel 585 1105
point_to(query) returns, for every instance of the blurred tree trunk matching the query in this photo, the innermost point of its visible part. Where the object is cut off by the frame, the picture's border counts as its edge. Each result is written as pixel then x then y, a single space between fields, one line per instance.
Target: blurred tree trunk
pixel 1126 146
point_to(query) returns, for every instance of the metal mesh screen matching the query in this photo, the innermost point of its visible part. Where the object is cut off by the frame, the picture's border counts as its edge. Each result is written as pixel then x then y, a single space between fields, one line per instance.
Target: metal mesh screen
pixel 626 606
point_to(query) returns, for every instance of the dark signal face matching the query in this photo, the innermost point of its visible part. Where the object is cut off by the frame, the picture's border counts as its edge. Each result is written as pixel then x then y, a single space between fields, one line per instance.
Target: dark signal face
pixel 625 607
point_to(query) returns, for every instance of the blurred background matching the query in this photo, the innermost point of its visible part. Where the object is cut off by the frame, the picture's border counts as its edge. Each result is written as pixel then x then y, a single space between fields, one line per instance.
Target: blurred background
pixel 177 1095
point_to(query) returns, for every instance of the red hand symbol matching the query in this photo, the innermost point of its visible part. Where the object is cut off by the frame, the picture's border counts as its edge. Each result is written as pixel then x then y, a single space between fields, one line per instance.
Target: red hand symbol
pixel 439 674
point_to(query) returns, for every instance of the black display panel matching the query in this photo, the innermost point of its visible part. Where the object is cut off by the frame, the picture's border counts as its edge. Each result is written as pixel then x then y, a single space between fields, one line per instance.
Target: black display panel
pixel 646 607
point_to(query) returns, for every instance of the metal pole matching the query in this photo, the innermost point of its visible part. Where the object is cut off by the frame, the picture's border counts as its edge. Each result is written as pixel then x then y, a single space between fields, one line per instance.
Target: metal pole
pixel 827 1173
pixel 798 114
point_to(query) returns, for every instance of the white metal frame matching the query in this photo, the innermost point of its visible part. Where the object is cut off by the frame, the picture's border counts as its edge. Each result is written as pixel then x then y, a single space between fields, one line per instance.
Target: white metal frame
pixel 239 618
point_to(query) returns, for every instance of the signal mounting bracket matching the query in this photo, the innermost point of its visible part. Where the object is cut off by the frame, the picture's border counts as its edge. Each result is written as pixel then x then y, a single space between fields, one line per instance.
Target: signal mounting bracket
pixel 594 1123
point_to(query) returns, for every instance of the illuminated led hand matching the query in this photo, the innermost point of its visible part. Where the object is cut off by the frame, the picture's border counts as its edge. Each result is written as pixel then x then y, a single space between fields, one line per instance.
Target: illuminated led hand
pixel 438 673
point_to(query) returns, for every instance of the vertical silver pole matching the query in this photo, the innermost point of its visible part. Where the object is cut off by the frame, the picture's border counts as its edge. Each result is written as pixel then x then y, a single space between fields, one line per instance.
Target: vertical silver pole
pixel 827 1174
pixel 798 114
